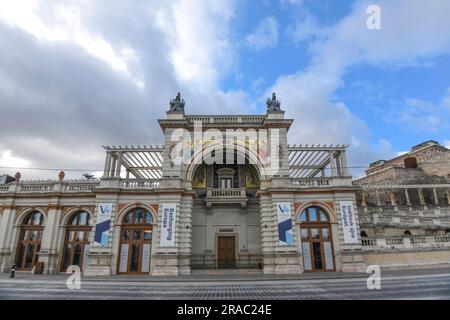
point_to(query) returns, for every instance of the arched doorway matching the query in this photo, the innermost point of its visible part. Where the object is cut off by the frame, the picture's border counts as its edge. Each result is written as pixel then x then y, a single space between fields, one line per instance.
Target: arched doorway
pixel 317 243
pixel 76 239
pixel 135 241
pixel 29 241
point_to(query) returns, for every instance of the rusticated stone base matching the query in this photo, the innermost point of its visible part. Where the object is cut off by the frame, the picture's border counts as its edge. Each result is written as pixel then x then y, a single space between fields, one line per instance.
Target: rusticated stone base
pixel 352 261
pixel 282 263
pixel 50 260
pixel 5 261
pixel 165 265
pixel 99 265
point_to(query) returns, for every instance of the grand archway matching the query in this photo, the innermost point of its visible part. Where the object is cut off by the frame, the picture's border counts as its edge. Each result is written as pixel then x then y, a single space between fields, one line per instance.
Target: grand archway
pixel 226 224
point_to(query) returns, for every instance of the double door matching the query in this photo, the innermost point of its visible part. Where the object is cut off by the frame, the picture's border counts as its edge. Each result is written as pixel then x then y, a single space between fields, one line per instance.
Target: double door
pixel 317 248
pixel 226 255
pixel 135 249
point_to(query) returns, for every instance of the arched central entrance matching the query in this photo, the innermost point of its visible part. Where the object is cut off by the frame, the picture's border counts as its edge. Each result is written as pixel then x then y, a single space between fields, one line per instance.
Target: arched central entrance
pixel 317 243
pixel 136 241
pixel 226 224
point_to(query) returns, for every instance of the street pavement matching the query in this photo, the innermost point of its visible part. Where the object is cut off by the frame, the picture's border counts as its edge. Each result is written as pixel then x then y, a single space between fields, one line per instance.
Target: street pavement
pixel 420 284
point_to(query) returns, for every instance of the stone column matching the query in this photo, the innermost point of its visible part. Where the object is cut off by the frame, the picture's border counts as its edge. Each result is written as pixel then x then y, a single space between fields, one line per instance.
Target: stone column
pixel 118 165
pixel 392 198
pixel 268 230
pixel 436 199
pixel 344 164
pixel 6 236
pixel 377 192
pixel 278 259
pixel 166 259
pixel 113 167
pixel 363 199
pixel 332 164
pixel 107 170
pixel 421 198
pixel 447 191
pixel 102 261
pixel 408 201
pixel 49 253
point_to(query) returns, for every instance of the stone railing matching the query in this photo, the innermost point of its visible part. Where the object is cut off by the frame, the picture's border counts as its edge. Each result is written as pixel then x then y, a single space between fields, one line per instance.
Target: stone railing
pixel 226 119
pixel 415 242
pixel 225 193
pixel 81 186
pixel 403 221
pixel 216 196
pixel 322 182
pixel 140 183
pixel 312 182
pixel 51 186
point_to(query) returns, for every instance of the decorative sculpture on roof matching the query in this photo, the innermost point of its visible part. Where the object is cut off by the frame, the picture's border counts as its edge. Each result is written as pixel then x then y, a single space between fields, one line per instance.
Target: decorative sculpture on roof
pixel 273 104
pixel 177 104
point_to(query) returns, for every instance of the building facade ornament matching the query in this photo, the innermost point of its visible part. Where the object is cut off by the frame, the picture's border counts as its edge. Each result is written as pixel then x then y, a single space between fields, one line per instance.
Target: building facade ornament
pixel 273 104
pixel 177 104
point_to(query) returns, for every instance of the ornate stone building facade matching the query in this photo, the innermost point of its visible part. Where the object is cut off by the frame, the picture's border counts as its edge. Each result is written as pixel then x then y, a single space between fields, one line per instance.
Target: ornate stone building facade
pixel 404 209
pixel 223 192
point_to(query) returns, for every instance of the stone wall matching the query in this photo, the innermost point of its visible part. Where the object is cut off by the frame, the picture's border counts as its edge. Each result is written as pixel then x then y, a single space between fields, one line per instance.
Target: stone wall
pixel 400 260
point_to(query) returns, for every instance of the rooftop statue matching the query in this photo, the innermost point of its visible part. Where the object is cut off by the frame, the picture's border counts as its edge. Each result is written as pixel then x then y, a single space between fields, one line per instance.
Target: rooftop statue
pixel 273 104
pixel 177 104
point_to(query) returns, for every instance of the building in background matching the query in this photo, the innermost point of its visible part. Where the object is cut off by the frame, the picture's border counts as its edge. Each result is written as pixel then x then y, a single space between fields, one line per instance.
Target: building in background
pixel 404 208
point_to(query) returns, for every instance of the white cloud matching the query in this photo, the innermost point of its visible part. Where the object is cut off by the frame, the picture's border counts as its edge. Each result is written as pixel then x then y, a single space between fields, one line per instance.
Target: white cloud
pixel 418 115
pixel 77 75
pixel 412 31
pixel 305 29
pixel 7 159
pixel 447 143
pixel 265 35
pixel 292 2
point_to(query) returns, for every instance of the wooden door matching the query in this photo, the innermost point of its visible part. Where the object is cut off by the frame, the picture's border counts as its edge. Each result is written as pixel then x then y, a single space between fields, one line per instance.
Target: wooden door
pixel 226 252
pixel 135 250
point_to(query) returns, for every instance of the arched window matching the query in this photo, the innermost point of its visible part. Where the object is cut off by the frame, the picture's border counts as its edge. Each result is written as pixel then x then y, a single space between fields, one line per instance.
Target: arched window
pixel 29 241
pixel 363 234
pixel 407 233
pixel 76 240
pixel 135 241
pixel 314 214
pixel 138 216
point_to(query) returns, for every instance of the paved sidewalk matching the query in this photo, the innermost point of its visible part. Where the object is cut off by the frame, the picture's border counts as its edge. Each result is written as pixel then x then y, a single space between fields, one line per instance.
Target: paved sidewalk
pixel 421 284
pixel 227 277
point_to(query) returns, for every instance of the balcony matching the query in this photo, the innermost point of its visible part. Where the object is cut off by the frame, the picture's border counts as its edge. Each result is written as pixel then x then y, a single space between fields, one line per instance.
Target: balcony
pixel 226 196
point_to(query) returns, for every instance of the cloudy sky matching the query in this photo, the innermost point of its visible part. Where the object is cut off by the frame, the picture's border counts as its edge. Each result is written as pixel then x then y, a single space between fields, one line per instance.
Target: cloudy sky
pixel 76 75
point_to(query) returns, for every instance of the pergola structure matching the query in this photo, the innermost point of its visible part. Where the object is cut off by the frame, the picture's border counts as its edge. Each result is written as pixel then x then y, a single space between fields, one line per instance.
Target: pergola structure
pixel 146 162
pixel 142 162
pixel 317 161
